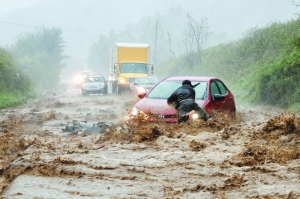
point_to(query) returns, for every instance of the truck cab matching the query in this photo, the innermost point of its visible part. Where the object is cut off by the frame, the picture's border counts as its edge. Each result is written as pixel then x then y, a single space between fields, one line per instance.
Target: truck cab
pixel 128 61
pixel 128 71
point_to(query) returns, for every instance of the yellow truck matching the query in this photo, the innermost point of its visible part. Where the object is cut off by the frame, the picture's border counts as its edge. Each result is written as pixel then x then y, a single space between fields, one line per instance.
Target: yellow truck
pixel 127 62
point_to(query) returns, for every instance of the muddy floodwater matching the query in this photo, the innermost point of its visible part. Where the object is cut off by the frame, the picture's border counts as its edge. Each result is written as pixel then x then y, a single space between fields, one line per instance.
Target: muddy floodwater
pixel 64 145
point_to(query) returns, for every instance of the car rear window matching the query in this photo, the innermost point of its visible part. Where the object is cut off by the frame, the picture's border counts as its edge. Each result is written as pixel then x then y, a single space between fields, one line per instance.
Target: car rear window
pixel 164 89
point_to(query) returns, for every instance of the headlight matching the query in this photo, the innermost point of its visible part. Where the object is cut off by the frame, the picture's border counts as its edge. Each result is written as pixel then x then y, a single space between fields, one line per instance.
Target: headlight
pixel 195 116
pixel 135 111
pixel 78 79
pixel 122 81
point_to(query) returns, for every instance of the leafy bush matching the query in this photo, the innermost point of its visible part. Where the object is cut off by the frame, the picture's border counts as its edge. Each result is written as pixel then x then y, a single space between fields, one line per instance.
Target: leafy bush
pixel 10 99
pixel 279 83
pixel 15 88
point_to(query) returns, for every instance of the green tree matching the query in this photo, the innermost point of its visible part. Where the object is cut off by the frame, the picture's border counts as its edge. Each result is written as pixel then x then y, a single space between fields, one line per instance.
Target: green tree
pixel 39 55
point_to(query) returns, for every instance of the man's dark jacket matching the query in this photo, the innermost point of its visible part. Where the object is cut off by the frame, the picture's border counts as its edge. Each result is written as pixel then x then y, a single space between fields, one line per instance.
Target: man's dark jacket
pixel 182 93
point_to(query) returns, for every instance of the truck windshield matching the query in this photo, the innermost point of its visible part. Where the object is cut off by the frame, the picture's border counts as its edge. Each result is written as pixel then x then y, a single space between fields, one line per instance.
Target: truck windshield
pixel 133 68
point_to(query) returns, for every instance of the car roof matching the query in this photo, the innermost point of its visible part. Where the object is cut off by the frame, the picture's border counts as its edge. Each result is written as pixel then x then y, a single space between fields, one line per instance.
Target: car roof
pixel 93 75
pixel 191 78
pixel 147 77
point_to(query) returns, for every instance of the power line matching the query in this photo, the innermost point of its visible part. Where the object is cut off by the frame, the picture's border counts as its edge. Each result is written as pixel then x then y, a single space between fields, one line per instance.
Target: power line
pixel 70 30
pixel 62 29
pixel 18 24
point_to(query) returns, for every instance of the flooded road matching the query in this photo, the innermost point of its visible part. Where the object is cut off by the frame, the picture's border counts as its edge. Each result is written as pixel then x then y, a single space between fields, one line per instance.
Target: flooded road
pixel 256 155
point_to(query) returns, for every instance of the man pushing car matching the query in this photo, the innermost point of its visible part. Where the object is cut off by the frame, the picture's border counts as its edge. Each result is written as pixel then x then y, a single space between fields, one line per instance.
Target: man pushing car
pixel 183 100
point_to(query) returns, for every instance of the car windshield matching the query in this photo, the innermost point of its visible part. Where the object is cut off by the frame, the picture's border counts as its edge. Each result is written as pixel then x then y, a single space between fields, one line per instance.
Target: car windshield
pixel 94 79
pixel 133 68
pixel 145 81
pixel 164 89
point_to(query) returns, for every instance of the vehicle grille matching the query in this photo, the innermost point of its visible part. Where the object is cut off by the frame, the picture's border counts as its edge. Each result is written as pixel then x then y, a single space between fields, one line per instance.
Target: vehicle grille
pixel 166 116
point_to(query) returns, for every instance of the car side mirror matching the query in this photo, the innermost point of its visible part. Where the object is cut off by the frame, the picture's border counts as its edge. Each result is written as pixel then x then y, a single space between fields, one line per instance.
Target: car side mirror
pixel 115 68
pixel 142 95
pixel 218 97
pixel 151 68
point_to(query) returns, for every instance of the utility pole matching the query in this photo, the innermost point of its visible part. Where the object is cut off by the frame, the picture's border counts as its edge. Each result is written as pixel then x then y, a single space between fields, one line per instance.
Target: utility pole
pixel 154 57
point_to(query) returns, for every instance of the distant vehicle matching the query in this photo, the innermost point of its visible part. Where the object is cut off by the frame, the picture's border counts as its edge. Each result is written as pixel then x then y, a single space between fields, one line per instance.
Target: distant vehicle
pixel 80 77
pixel 144 84
pixel 94 84
pixel 211 94
pixel 127 62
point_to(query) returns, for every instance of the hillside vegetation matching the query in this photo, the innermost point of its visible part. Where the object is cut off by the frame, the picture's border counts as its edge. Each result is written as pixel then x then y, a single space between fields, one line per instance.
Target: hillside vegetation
pixel 261 68
pixel 32 65
pixel 15 88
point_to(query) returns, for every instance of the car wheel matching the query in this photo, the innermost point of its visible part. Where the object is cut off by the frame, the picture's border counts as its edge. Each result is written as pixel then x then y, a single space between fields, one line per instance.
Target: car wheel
pixel 114 87
pixel 119 90
pixel 83 93
pixel 106 90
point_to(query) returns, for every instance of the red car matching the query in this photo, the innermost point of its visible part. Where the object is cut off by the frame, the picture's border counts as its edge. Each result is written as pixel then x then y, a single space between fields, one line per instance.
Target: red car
pixel 211 94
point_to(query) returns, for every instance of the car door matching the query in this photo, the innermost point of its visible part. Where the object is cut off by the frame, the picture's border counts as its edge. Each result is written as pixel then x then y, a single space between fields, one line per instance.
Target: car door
pixel 217 87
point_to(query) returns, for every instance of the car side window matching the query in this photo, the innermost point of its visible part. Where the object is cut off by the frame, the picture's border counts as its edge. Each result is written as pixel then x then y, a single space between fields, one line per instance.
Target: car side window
pixel 214 89
pixel 222 88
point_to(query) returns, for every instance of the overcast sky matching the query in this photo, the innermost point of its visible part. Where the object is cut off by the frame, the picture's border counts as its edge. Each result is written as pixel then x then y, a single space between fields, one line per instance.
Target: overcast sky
pixel 231 16
pixel 264 11
pixel 7 6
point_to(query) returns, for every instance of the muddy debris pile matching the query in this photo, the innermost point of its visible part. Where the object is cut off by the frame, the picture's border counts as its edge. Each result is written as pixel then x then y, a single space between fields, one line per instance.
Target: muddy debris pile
pixel 278 141
pixel 12 146
pixel 138 130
